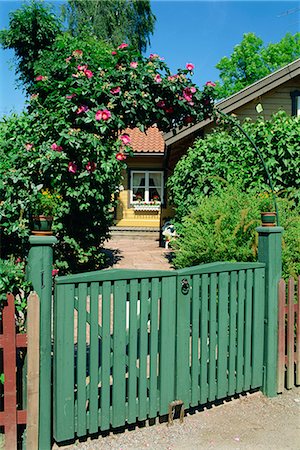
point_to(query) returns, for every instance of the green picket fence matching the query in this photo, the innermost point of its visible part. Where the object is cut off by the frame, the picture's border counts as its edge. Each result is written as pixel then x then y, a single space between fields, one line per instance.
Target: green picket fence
pixel 128 343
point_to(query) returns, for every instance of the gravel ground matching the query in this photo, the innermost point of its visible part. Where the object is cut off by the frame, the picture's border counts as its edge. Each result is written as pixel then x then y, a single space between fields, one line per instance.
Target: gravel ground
pixel 250 422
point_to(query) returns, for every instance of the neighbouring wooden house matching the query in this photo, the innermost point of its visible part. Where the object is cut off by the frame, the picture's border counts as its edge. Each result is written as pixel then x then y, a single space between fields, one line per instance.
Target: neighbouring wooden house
pixel 143 200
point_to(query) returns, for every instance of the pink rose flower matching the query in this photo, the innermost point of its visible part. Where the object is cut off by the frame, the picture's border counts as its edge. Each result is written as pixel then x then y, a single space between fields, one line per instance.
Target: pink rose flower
pixel 75 75
pixel 134 64
pixel 120 156
pixel 82 68
pixel 158 78
pixel 68 59
pixel 88 73
pixel 125 138
pixel 82 109
pixel 57 148
pixel 153 56
pixel 103 114
pixel 91 166
pixel 55 272
pixel 116 90
pixel 190 66
pixel 123 45
pixel 210 83
pixel 34 96
pixel 187 97
pixel 28 146
pixel 113 53
pixel 40 78
pixel 193 90
pixel 69 97
pixel 72 168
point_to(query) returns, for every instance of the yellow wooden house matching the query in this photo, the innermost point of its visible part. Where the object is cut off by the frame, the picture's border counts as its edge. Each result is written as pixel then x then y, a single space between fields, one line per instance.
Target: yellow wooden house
pixel 142 203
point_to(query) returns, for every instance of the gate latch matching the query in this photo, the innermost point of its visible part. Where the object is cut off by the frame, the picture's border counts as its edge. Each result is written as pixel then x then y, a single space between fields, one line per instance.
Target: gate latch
pixel 185 287
pixel 172 409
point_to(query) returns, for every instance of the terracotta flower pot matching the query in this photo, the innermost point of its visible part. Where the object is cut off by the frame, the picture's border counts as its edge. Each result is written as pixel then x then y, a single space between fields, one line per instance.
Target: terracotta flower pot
pixel 268 219
pixel 41 225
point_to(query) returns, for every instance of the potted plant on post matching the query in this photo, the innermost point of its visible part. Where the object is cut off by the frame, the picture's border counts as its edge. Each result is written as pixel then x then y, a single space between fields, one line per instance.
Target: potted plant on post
pixel 43 210
pixel 268 215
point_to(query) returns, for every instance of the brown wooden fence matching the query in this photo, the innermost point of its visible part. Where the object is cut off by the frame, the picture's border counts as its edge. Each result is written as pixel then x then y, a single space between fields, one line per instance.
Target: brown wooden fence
pixel 15 390
pixel 288 334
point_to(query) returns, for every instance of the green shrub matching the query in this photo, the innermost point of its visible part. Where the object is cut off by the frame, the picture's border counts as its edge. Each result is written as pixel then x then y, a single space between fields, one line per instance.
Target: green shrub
pixel 225 156
pixel 222 228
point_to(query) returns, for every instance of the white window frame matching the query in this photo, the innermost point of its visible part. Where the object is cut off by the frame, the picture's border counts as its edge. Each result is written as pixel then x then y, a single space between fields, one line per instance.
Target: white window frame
pixel 147 176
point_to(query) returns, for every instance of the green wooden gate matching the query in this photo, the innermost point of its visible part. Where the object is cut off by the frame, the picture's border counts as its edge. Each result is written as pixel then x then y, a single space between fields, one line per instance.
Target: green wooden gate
pixel 128 343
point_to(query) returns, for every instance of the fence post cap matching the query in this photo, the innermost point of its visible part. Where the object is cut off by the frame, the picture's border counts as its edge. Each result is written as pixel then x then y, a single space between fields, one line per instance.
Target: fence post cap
pixel 269 230
pixel 42 240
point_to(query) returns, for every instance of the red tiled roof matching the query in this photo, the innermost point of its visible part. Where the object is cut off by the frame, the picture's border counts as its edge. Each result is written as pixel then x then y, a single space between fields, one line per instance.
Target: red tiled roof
pixel 151 141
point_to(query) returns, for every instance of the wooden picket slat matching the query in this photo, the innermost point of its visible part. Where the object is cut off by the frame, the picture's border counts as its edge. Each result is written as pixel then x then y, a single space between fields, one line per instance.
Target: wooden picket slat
pixel 258 328
pixel 33 367
pixel 248 330
pixel 119 353
pixel 212 384
pixel 232 333
pixel 288 367
pixel 81 361
pixel 153 385
pixel 94 358
pixel 240 332
pixel 222 381
pixel 203 339
pixel 195 366
pixel 143 350
pixel 105 356
pixel 132 355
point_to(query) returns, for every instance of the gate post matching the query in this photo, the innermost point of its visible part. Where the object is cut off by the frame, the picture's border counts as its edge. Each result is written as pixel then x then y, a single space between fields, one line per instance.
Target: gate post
pixel 39 272
pixel 269 252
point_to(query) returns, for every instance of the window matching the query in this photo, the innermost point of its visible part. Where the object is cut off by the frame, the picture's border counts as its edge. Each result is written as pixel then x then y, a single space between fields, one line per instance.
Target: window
pixel 295 103
pixel 146 186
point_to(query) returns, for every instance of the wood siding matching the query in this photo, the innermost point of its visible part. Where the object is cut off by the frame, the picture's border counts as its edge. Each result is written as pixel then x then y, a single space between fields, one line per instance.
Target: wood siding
pixel 278 99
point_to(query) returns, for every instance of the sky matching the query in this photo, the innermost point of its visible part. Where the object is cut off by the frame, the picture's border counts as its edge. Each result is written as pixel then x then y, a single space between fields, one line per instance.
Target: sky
pixel 200 32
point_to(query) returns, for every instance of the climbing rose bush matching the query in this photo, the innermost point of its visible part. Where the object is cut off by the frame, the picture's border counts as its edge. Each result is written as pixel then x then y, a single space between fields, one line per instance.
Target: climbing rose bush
pixel 74 142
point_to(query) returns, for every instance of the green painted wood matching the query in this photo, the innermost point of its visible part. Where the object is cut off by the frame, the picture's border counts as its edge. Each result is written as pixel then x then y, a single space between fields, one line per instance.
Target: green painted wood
pixel 64 420
pixel 269 252
pixel 182 374
pixel 204 340
pixel 94 358
pixel 218 267
pixel 132 355
pixel 195 366
pixel 113 275
pixel 81 361
pixel 223 320
pixel 119 351
pixel 232 333
pixel 105 356
pixel 258 328
pixel 167 344
pixel 155 293
pixel 240 332
pixel 212 378
pixel 248 330
pixel 143 350
pixel 39 272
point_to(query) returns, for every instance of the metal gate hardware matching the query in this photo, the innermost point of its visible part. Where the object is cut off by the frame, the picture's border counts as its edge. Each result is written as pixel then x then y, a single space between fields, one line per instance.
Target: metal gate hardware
pixel 185 287
pixel 172 407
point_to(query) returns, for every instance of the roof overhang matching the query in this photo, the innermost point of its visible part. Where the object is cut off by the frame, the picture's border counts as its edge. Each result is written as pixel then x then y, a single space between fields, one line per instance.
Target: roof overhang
pixel 239 99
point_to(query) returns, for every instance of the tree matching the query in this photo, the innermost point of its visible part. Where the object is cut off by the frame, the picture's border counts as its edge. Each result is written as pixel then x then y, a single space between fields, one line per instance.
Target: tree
pixel 32 29
pixel 71 143
pixel 251 60
pixel 113 21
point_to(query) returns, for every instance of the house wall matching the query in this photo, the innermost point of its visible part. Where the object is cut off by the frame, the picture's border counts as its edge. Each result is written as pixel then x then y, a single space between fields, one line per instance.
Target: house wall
pixel 127 217
pixel 278 99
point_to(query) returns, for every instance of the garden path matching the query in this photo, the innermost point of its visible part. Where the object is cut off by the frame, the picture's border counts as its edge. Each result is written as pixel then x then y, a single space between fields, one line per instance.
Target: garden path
pixel 137 252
